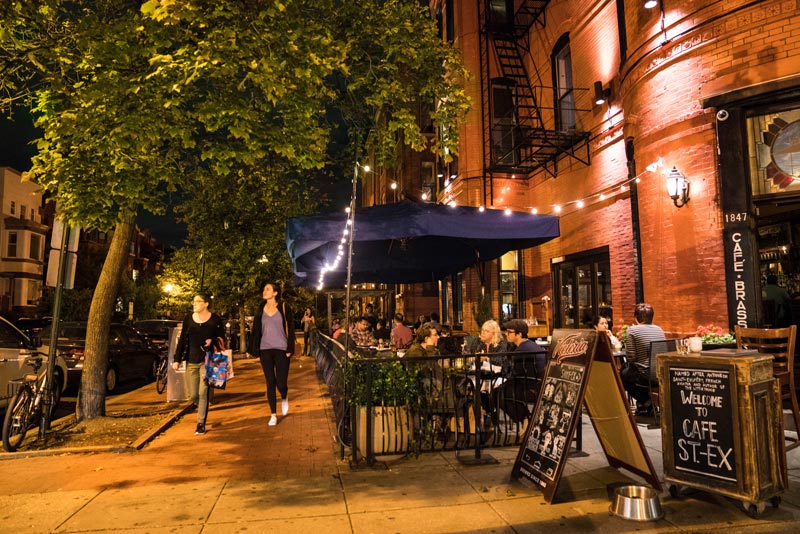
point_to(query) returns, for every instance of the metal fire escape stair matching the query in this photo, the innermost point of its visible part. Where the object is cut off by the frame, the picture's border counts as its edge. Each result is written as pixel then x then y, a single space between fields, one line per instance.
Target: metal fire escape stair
pixel 532 144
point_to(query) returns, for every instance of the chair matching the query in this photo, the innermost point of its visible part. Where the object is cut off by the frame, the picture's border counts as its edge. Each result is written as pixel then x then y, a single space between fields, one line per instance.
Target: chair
pixel 656 348
pixel 778 343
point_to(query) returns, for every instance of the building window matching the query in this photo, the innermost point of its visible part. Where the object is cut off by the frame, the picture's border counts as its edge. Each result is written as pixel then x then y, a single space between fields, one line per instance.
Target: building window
pixel 563 90
pixel 36 247
pixel 509 286
pixel 582 289
pixel 34 292
pixel 504 121
pixel 450 21
pixel 501 16
pixel 23 212
pixel 13 208
pixel 12 245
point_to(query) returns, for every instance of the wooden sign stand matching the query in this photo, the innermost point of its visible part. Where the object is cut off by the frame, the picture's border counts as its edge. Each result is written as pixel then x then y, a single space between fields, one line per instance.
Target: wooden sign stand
pixel 580 372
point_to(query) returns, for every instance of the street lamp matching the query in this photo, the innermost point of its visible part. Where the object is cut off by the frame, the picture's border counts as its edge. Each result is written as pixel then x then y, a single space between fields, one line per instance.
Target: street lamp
pixel 168 290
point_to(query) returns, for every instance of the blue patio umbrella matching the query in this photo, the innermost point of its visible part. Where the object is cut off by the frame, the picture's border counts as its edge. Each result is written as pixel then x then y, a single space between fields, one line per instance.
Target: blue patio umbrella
pixel 410 242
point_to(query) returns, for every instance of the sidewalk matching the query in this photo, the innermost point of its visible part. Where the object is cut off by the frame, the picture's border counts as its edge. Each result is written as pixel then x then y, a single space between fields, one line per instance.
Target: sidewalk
pixel 243 476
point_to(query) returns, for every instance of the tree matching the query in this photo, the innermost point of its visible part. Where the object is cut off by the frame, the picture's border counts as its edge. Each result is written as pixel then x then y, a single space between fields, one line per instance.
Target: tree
pixel 135 99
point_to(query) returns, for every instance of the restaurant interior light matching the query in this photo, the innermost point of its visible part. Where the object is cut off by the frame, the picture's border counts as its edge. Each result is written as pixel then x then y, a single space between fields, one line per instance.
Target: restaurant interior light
pixel 600 94
pixel 677 187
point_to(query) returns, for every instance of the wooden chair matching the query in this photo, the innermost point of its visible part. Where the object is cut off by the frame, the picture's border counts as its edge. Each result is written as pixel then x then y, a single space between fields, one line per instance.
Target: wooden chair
pixel 779 343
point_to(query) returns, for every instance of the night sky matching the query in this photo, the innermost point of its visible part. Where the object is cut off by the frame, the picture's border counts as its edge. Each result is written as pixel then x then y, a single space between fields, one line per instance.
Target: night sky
pixel 16 151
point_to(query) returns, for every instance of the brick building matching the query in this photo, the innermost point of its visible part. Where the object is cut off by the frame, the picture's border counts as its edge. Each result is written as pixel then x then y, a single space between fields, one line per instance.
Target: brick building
pixel 583 109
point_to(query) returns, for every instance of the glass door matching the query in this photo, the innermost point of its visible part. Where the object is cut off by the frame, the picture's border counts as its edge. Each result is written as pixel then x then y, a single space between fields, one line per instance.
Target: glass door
pixel 583 289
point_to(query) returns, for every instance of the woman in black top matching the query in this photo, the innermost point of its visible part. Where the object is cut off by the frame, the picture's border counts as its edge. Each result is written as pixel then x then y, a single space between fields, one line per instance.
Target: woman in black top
pixel 200 331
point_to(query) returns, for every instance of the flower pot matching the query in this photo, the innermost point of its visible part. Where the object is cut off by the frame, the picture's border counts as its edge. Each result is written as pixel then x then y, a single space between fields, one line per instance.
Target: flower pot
pixel 391 429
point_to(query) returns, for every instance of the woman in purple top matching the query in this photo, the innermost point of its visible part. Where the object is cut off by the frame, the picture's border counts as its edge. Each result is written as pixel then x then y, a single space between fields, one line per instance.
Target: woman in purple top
pixel 273 341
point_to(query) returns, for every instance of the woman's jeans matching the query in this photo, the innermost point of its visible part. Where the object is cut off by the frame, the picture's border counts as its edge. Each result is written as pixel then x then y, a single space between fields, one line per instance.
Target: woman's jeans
pixel 306 337
pixel 198 389
pixel 275 365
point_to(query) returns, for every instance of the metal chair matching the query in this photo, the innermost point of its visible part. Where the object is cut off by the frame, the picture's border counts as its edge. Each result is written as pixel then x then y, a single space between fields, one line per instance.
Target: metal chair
pixel 779 343
pixel 656 348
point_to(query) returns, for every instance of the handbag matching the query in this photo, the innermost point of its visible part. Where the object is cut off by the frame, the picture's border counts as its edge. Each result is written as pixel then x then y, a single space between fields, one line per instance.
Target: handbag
pixel 217 365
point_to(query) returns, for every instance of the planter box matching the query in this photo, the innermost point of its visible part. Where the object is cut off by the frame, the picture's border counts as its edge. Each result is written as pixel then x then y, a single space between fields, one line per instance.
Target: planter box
pixel 391 429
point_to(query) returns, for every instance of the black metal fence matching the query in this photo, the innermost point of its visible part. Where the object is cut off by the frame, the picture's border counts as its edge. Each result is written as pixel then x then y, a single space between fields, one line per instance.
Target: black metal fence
pixel 418 405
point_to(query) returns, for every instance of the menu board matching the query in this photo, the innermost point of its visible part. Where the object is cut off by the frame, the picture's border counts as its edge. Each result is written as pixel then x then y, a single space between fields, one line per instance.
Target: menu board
pixel 702 421
pixel 543 453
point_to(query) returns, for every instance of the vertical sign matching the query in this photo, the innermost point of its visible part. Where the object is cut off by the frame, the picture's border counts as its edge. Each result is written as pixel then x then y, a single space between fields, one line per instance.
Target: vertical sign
pixel 740 271
pixel 702 422
pixel 543 453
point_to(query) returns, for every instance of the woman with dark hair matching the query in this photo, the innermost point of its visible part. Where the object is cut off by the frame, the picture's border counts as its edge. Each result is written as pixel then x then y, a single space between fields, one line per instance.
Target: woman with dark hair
pixel 199 334
pixel 273 342
pixel 308 322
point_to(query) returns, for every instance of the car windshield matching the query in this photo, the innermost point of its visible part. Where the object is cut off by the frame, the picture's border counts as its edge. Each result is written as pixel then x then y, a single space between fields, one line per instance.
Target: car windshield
pixel 159 328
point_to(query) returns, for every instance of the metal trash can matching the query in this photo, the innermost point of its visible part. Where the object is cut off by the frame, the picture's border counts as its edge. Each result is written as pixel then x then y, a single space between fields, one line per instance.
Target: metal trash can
pixel 722 426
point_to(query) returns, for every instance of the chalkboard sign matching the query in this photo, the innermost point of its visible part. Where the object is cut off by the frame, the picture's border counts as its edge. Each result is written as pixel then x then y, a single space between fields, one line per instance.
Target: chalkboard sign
pixel 543 455
pixel 702 421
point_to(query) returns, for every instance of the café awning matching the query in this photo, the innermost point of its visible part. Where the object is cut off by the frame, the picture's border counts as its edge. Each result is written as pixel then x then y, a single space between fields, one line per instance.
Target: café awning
pixel 410 242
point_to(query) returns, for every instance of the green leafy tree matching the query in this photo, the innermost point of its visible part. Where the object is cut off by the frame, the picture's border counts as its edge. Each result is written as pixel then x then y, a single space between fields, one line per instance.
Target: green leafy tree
pixel 135 99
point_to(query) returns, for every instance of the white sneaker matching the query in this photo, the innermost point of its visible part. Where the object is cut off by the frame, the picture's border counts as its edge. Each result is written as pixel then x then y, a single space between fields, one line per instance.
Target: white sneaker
pixel 273 420
pixel 285 406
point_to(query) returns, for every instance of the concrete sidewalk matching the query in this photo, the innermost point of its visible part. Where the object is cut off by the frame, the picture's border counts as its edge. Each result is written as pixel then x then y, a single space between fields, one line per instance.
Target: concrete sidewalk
pixel 243 476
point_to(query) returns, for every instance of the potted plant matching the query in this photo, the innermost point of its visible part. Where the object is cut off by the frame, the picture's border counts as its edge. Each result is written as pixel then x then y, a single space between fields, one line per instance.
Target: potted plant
pixel 388 392
pixel 715 337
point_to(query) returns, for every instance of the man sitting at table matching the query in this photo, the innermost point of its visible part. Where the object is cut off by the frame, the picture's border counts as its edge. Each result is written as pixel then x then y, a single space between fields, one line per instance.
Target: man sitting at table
pixel 361 336
pixel 401 334
pixel 635 373
pixel 517 333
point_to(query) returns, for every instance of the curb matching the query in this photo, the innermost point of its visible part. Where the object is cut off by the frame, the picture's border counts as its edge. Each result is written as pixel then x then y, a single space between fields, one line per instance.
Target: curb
pixel 133 446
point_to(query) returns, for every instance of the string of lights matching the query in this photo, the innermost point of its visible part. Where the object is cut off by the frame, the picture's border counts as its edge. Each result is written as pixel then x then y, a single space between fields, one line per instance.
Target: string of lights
pixel 347 233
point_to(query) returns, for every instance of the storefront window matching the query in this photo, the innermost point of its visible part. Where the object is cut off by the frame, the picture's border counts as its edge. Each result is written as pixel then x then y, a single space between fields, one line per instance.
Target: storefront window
pixel 509 287
pixel 583 289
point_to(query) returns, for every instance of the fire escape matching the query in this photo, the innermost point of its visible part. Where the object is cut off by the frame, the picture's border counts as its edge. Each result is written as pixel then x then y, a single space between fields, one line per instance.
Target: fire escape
pixel 518 137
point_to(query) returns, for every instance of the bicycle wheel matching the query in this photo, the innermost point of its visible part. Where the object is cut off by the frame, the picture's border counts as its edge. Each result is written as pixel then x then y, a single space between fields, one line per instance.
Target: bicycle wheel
pixel 161 376
pixel 17 421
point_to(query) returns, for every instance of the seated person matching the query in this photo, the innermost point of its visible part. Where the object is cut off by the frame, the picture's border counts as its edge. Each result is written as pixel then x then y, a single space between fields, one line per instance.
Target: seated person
pixel 425 342
pixel 381 332
pixel 491 341
pixel 635 373
pixel 401 334
pixel 600 324
pixel 517 334
pixel 361 335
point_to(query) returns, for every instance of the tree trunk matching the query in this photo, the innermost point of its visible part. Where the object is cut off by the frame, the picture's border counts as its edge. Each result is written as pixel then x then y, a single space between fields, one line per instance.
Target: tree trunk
pixel 92 395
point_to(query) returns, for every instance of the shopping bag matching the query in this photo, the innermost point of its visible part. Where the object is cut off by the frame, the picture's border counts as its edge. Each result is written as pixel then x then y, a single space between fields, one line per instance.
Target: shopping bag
pixel 229 352
pixel 217 364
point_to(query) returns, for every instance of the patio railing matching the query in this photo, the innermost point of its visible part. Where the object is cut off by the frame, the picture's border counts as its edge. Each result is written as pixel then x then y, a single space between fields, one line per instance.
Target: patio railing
pixel 419 405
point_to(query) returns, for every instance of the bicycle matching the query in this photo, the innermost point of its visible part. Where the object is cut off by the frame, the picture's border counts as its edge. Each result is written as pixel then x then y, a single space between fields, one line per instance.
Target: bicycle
pixel 24 411
pixel 161 374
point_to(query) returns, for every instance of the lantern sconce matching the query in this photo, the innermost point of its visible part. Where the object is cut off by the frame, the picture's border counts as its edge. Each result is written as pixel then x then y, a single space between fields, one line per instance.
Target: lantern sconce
pixel 678 187
pixel 650 4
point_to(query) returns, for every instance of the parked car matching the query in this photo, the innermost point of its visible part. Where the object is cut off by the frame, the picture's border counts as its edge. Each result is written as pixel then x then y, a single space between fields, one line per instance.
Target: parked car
pixel 32 326
pixel 130 355
pixel 157 331
pixel 15 349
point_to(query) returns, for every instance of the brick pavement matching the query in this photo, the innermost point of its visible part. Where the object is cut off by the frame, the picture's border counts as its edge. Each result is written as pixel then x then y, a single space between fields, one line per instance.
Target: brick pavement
pixel 238 445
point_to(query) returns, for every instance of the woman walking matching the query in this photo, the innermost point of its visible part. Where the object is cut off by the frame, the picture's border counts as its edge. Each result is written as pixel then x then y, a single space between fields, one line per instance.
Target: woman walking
pixel 308 321
pixel 273 341
pixel 200 331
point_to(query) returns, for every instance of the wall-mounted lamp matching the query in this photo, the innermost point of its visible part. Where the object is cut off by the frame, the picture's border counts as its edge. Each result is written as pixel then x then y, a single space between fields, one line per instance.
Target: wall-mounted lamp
pixel 650 4
pixel 600 94
pixel 678 187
